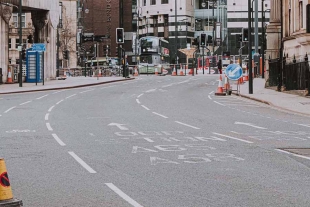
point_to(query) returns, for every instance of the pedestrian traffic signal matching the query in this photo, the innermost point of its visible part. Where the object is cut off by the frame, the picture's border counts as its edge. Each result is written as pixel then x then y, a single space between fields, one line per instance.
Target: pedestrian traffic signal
pixel 203 39
pixel 209 39
pixel 119 35
pixel 238 38
pixel 245 34
pixel 65 54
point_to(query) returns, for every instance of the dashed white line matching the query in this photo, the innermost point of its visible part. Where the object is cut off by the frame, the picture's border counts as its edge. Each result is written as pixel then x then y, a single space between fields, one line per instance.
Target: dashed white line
pixel 46 116
pixel 24 103
pixel 50 109
pixel 145 107
pixel 301 156
pixel 187 125
pixel 49 127
pixel 148 139
pixel 42 96
pixel 209 97
pixel 211 92
pixel 305 125
pixel 241 140
pixel 151 90
pixel 160 115
pixel 87 91
pixel 57 92
pixel 137 100
pixel 9 109
pixel 123 195
pixel 140 95
pixel 218 103
pixel 58 140
pixel 59 101
pixel 70 96
pixel 79 160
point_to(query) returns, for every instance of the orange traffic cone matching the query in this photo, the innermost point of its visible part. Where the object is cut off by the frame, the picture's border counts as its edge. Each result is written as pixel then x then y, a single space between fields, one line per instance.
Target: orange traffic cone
pixel 6 195
pixel 181 70
pixel 9 80
pixel 174 73
pixel 220 91
pixel 156 71
pixel 136 71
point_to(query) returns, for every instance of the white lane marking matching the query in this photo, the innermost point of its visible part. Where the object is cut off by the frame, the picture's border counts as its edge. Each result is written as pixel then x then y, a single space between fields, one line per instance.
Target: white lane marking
pixel 218 103
pixel 160 115
pixel 57 92
pixel 305 125
pixel 151 90
pixel 42 96
pixel 24 103
pixel 46 116
pixel 301 156
pixel 241 140
pixel 148 139
pixel 167 86
pixel 58 140
pixel 9 109
pixel 123 195
pixel 209 97
pixel 187 125
pixel 145 107
pixel 120 126
pixel 50 109
pixel 249 124
pixel 137 100
pixel 0 115
pixel 91 134
pixel 87 91
pixel 70 96
pixel 49 127
pixel 211 92
pixel 59 101
pixel 79 160
pixel 140 95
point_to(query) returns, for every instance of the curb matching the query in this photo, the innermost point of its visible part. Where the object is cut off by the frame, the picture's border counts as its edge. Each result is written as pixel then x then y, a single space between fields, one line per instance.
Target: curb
pixel 68 87
pixel 270 104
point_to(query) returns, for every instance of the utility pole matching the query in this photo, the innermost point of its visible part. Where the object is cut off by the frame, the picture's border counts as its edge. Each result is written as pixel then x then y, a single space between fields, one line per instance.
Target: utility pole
pixel 256 55
pixel 21 45
pixel 250 48
pixel 176 34
pixel 280 75
pixel 263 41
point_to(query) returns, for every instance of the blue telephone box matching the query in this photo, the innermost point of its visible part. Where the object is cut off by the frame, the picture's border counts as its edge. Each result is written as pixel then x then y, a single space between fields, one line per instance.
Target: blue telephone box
pixel 34 65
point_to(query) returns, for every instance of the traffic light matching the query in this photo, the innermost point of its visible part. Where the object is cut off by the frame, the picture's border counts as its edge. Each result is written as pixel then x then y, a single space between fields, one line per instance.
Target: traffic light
pixel 65 54
pixel 24 53
pixel 245 33
pixel 209 39
pixel 195 41
pixel 116 52
pixel 119 35
pixel 238 38
pixel 203 39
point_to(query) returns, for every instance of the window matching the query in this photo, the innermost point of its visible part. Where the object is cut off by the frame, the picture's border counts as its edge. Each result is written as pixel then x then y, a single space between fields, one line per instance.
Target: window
pixel 300 15
pixel 153 2
pixel 16 43
pixel 16 20
pixel 10 61
pixel 144 3
pixel 10 43
pixel 164 1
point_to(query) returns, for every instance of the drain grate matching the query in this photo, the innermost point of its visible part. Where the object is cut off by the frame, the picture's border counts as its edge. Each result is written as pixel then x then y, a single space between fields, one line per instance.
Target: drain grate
pixel 298 151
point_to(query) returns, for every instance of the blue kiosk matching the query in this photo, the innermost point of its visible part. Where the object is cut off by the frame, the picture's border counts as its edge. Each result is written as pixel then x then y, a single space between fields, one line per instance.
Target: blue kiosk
pixel 35 63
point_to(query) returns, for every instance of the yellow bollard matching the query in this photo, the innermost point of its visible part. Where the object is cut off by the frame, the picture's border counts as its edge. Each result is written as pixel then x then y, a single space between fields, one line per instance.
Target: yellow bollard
pixel 5 186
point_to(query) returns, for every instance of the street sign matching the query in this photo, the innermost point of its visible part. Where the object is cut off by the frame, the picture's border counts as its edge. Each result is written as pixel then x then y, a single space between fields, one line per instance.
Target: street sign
pixel 233 71
pixel 40 47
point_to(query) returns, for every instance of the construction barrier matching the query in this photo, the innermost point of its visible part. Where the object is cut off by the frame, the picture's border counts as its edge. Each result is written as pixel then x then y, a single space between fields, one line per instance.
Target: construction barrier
pixel 220 90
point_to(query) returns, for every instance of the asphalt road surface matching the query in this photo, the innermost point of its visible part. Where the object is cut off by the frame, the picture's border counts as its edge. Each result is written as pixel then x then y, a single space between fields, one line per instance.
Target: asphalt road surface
pixel 153 142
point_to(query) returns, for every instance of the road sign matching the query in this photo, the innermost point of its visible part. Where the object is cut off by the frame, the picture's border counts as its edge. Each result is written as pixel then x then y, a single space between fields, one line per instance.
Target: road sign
pixel 4 180
pixel 233 71
pixel 38 47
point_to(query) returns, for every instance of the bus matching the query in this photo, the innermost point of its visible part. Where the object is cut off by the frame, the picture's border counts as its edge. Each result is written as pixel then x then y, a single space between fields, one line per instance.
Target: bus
pixel 154 54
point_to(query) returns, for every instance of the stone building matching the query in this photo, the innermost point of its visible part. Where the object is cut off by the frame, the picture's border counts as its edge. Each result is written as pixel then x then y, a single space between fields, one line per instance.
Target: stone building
pixel 45 17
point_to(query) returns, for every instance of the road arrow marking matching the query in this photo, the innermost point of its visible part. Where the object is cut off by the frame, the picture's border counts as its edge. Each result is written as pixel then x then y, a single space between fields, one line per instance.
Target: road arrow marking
pixel 118 125
pixel 249 124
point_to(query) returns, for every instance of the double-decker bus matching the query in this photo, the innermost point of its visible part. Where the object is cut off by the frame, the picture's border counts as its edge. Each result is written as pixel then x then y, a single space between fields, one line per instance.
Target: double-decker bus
pixel 154 53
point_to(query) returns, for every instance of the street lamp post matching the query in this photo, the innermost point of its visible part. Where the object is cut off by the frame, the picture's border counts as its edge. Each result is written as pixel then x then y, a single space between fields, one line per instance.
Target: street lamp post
pixel 250 48
pixel 263 38
pixel 21 45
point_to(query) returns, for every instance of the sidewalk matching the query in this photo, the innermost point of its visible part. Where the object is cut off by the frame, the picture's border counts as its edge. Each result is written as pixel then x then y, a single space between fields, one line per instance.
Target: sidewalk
pixel 290 102
pixel 70 82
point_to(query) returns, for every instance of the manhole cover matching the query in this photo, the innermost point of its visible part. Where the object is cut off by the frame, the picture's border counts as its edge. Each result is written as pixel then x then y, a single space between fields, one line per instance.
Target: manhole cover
pixel 298 151
pixel 305 103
